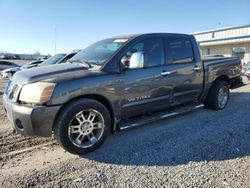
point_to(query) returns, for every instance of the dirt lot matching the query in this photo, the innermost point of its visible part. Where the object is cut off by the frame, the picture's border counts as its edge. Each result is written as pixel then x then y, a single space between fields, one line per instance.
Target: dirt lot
pixel 199 149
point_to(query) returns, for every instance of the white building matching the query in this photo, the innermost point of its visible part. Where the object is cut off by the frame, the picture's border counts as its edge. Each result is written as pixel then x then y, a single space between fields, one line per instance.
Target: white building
pixel 231 41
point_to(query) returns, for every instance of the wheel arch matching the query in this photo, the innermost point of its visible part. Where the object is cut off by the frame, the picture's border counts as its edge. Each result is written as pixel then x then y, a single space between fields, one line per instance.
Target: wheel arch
pixel 223 78
pixel 103 100
pixel 211 99
pixel 209 85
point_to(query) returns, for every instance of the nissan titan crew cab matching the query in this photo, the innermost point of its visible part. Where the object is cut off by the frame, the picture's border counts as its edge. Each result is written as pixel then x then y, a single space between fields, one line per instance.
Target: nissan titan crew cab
pixel 114 84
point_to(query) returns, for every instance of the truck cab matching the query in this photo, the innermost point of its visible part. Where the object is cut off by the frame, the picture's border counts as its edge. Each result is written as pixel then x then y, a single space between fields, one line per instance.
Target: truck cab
pixel 169 73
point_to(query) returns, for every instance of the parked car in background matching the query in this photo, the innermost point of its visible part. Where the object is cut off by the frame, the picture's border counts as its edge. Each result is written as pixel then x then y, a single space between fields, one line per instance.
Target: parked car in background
pixel 7 64
pixel 247 70
pixel 16 57
pixel 64 58
pixel 58 58
pixel 8 73
pixel 68 56
pixel 10 56
pixel 32 64
pixel 7 69
pixel 53 60
pixel 245 77
pixel 43 57
pixel 6 56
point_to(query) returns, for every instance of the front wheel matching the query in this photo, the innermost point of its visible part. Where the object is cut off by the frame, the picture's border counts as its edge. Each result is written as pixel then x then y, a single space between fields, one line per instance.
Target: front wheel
pixel 82 126
pixel 218 96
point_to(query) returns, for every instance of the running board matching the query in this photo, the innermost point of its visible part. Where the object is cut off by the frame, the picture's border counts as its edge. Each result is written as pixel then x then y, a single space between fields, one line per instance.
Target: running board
pixel 159 116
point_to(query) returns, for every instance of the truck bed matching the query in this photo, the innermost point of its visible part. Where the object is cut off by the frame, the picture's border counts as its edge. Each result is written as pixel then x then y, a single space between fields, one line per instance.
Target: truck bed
pixel 207 59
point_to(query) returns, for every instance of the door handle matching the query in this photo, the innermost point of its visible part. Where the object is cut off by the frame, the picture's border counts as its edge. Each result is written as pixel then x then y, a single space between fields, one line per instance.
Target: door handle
pixel 197 68
pixel 165 73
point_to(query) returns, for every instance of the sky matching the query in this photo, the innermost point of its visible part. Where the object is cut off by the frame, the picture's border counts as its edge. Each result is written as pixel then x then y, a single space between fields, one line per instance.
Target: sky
pixel 50 26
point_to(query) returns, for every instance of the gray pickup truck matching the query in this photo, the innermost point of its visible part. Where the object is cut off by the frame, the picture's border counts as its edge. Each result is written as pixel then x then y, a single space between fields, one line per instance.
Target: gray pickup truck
pixel 115 84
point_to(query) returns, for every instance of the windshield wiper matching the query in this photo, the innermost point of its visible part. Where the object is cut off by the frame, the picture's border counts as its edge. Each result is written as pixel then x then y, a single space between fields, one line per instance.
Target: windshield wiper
pixel 81 61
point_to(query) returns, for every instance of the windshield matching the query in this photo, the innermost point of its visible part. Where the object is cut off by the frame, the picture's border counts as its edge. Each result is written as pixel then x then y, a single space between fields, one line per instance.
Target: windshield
pixel 99 52
pixel 66 58
pixel 53 60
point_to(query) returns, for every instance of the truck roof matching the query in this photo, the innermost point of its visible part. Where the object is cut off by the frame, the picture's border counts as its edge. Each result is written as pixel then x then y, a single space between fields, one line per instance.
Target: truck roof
pixel 131 36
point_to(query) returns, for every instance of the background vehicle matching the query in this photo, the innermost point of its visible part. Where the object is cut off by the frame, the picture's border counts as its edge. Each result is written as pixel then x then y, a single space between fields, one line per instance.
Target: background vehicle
pixel 68 56
pixel 6 56
pixel 42 58
pixel 112 84
pixel 59 58
pixel 7 64
pixel 16 57
pixel 247 69
pixel 246 73
pixel 7 74
pixel 52 60
pixel 32 64
pixel 10 56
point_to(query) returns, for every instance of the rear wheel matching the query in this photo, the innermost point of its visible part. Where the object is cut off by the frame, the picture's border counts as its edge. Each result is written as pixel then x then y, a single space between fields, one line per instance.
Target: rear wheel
pixel 218 96
pixel 82 126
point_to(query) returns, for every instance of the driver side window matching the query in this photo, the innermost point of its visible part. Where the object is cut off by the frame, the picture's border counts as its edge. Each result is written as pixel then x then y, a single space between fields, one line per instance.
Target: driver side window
pixel 148 53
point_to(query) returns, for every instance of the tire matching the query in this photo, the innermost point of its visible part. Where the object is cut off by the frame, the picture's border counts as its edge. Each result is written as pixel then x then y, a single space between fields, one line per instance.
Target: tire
pixel 213 98
pixel 80 123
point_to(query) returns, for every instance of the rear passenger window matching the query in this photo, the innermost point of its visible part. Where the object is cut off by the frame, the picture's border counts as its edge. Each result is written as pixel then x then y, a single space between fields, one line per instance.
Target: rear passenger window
pixel 181 50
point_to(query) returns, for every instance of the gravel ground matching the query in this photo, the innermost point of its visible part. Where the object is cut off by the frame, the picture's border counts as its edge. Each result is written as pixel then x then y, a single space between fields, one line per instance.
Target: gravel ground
pixel 202 148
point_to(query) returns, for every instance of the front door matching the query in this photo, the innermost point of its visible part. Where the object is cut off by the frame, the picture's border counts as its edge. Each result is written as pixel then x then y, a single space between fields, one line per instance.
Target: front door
pixel 145 88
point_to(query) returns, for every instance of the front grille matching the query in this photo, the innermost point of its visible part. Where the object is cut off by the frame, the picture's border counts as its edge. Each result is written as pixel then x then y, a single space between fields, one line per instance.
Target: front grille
pixel 7 87
pixel 13 90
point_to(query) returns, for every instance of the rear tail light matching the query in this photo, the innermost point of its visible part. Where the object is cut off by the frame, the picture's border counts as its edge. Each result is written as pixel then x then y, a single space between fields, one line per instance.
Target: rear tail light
pixel 241 65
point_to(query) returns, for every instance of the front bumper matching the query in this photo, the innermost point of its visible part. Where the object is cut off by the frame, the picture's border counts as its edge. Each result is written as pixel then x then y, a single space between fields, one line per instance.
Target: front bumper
pixel 31 121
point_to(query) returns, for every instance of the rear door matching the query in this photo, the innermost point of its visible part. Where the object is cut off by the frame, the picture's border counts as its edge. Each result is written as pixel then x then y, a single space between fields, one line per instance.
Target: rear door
pixel 145 88
pixel 185 71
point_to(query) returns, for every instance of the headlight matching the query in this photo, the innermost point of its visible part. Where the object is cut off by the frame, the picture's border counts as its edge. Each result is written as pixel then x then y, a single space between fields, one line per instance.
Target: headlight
pixel 39 92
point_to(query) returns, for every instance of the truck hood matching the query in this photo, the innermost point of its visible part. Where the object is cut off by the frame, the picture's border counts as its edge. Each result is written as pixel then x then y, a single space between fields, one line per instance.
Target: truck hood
pixel 56 72
pixel 28 66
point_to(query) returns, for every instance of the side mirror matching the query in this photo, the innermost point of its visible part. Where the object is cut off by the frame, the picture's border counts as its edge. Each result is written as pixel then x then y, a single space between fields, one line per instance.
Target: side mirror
pixel 125 62
pixel 136 60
